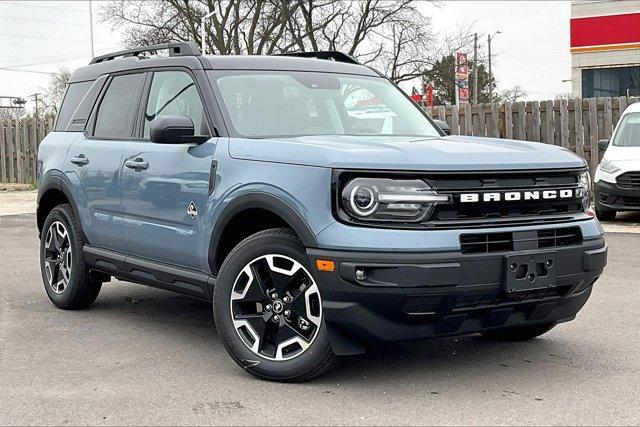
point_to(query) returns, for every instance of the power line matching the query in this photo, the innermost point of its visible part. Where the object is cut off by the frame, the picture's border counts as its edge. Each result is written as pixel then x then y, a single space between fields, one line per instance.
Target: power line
pixel 27 71
pixel 48 21
pixel 48 38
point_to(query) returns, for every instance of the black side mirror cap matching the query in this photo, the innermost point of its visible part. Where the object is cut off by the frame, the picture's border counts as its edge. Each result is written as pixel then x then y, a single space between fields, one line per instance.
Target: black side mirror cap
pixel 603 144
pixel 173 130
pixel 443 126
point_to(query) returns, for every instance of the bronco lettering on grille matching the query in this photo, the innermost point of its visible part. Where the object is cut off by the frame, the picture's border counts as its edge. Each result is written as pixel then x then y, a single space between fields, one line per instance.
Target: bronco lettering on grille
pixel 514 196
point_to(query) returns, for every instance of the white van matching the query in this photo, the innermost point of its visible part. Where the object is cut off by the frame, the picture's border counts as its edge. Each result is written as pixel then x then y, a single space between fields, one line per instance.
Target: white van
pixel 617 178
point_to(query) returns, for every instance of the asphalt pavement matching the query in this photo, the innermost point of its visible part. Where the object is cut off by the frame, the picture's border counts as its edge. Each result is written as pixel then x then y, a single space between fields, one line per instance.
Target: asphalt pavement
pixel 146 356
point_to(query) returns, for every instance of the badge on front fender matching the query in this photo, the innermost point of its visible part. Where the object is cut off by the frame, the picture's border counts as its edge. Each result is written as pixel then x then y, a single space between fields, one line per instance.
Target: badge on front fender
pixel 192 210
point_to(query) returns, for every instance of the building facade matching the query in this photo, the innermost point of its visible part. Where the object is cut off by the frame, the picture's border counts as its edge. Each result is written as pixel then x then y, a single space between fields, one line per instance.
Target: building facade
pixel 605 48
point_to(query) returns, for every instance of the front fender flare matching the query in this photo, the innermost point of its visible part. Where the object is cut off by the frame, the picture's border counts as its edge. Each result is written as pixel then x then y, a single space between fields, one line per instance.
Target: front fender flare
pixel 266 201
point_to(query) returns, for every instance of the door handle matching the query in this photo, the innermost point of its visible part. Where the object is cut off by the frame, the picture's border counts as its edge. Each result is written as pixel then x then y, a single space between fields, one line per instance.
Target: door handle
pixel 137 164
pixel 79 160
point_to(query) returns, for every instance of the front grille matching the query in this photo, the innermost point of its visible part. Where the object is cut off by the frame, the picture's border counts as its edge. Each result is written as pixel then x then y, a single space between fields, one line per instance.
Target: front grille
pixel 503 212
pixel 620 201
pixel 421 304
pixel 629 180
pixel 486 242
pixel 557 237
pixel 438 306
pixel 477 243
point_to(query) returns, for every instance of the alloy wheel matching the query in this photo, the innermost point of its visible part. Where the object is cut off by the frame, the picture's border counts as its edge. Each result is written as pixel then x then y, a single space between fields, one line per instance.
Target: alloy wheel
pixel 276 307
pixel 57 257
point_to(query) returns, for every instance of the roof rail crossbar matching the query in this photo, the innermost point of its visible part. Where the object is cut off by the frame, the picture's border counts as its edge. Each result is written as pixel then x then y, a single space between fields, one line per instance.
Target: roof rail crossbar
pixel 330 54
pixel 175 49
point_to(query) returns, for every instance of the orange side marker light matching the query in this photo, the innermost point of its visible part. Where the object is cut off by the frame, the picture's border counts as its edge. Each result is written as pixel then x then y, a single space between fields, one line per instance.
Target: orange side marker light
pixel 325 265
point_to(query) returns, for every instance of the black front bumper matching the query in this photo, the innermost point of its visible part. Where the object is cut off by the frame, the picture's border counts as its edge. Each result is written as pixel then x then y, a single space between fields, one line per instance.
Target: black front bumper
pixel 422 295
pixel 612 197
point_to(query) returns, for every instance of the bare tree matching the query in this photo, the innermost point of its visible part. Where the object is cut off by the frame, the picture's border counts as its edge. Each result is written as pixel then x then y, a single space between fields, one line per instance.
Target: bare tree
pixel 389 34
pixel 54 92
pixel 513 94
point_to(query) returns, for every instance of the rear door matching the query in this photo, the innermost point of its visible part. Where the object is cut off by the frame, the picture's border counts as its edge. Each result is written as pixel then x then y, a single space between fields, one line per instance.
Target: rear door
pixel 94 160
pixel 166 186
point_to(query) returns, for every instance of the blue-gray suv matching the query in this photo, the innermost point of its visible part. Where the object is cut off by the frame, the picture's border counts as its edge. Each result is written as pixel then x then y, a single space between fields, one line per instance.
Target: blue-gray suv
pixel 312 201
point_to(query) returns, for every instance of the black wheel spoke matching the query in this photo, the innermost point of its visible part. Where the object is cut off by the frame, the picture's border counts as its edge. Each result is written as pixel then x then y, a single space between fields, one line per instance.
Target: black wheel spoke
pixel 273 306
pixel 56 254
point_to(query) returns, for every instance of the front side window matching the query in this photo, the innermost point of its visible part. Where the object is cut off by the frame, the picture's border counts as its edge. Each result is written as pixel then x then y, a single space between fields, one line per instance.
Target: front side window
pixel 628 134
pixel 173 93
pixel 117 110
pixel 273 103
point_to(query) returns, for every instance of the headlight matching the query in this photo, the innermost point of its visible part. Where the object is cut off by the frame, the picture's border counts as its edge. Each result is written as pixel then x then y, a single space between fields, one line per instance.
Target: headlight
pixel 608 167
pixel 585 187
pixel 394 200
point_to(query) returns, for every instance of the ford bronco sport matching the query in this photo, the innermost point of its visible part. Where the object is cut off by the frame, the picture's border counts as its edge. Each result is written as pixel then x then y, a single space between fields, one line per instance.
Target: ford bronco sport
pixel 312 201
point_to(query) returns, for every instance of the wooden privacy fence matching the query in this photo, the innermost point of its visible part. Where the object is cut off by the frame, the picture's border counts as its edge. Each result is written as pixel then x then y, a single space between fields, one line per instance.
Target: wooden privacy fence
pixel 19 141
pixel 576 124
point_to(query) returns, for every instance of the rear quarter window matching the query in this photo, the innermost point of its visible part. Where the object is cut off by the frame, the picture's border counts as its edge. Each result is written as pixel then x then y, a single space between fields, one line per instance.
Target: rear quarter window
pixel 72 98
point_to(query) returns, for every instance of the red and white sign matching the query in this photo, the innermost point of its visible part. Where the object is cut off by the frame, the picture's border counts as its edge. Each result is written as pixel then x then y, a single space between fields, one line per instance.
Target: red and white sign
pixel 462 78
pixel 463 95
pixel 462 67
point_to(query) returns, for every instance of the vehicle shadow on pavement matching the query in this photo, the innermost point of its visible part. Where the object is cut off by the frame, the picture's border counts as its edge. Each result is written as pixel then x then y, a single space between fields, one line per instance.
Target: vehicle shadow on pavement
pixel 189 323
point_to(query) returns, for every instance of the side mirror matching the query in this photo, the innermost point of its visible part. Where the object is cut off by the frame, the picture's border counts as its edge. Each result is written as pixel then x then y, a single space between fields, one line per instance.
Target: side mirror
pixel 603 144
pixel 173 130
pixel 443 126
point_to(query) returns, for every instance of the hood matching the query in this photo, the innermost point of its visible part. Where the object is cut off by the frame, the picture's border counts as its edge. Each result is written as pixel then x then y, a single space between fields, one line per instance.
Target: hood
pixel 405 153
pixel 617 154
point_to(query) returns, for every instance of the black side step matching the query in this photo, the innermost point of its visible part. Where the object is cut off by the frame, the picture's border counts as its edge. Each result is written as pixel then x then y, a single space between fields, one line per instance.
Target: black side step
pixel 150 273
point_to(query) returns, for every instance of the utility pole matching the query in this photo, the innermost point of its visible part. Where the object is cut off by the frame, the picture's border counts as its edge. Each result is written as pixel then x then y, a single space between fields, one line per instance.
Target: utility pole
pixel 203 32
pixel 489 38
pixel 36 99
pixel 475 68
pixel 91 29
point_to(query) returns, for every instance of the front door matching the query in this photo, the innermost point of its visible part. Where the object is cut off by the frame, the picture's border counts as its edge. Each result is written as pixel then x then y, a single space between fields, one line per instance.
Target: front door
pixel 94 161
pixel 165 187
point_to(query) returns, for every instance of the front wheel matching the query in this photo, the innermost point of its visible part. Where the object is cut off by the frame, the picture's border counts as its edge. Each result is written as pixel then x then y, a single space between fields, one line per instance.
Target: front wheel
pixel 521 333
pixel 268 310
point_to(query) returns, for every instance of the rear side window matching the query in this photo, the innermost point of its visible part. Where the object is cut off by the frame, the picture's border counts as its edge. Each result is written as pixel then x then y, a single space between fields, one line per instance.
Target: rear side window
pixel 72 98
pixel 117 110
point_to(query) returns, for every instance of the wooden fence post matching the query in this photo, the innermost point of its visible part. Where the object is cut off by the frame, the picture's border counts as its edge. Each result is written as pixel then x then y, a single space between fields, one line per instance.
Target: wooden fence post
pixel 468 120
pixel 508 121
pixel 535 121
pixel 494 127
pixel 564 123
pixel 577 113
pixel 455 120
pixel 593 135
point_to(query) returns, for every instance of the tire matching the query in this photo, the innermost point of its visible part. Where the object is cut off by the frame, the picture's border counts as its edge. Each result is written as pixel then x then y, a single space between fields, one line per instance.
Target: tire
pixel 604 214
pixel 66 278
pixel 245 309
pixel 522 333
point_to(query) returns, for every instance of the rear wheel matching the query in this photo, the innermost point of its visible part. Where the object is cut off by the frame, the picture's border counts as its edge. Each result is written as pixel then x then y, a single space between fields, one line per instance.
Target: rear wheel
pixel 522 333
pixel 67 280
pixel 268 310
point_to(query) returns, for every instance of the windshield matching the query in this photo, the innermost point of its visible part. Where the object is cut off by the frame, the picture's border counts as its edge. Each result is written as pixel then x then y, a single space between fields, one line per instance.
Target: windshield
pixel 281 103
pixel 628 134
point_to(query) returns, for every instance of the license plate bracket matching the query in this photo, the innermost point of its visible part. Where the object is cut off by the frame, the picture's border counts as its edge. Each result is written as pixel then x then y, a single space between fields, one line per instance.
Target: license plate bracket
pixel 529 272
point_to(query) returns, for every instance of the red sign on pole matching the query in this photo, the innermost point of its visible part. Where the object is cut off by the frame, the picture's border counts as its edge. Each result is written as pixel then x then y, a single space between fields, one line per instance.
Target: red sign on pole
pixel 462 78
pixel 462 67
pixel 463 95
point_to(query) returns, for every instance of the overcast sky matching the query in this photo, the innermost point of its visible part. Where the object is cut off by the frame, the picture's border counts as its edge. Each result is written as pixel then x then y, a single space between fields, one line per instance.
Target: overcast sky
pixel 39 37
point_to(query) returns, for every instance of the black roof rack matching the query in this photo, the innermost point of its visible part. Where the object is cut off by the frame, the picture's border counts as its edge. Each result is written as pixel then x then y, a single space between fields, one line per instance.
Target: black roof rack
pixel 330 54
pixel 175 49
